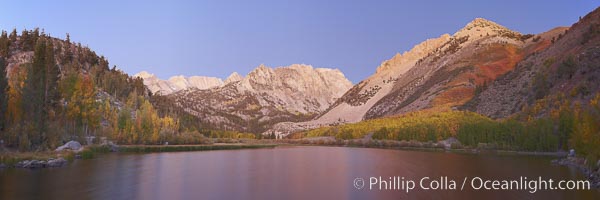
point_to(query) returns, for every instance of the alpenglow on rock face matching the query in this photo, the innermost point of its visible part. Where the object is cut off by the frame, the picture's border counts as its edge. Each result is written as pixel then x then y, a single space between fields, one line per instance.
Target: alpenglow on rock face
pixel 438 74
pixel 301 88
pixel 177 83
pixel 265 96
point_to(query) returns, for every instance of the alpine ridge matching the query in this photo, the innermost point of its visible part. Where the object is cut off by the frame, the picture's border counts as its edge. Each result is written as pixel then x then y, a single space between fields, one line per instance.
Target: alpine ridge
pixel 263 97
pixel 438 74
pixel 177 83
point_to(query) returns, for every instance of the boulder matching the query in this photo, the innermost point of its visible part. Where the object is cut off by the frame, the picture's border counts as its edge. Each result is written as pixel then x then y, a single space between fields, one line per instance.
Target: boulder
pixel 112 146
pixel 72 145
pixel 447 143
pixel 59 162
pixel 31 164
pixel 572 153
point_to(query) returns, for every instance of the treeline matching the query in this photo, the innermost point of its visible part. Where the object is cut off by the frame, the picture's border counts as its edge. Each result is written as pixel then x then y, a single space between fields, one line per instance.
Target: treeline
pixel 190 123
pixel 576 121
pixel 420 126
pixel 551 124
pixel 138 122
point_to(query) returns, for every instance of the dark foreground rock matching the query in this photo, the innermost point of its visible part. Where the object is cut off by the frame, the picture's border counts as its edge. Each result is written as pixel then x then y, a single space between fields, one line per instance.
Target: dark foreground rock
pixel 593 175
pixel 32 164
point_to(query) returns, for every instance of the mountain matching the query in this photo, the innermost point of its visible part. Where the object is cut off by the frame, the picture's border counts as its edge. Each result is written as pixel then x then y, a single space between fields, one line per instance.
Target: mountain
pixel 449 76
pixel 264 97
pixel 438 74
pixel 358 100
pixel 177 83
pixel 567 69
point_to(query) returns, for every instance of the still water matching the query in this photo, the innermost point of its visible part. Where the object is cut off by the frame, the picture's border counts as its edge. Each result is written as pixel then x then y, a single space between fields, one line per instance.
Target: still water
pixel 280 173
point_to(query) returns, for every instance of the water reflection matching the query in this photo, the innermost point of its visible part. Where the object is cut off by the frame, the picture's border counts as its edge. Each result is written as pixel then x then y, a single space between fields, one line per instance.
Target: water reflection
pixel 280 173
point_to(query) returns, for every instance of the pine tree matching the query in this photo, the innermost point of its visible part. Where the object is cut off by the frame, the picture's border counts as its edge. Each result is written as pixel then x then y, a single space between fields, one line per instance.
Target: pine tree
pixel 26 43
pixel 68 40
pixel 68 54
pixel 3 94
pixel 4 45
pixel 34 92
pixel 52 95
pixel 13 36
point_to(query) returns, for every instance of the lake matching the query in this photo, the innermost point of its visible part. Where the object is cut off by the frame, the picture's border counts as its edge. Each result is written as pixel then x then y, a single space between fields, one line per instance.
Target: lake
pixel 303 172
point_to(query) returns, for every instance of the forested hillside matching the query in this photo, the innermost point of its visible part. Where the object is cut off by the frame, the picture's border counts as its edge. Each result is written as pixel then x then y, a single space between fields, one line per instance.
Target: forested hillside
pixel 57 90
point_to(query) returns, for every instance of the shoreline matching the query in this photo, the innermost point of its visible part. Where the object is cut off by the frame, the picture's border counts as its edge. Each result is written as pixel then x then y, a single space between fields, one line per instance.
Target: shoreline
pixel 581 165
pixel 63 158
pixel 37 160
pixel 17 158
pixel 413 146
pixel 49 159
pixel 184 148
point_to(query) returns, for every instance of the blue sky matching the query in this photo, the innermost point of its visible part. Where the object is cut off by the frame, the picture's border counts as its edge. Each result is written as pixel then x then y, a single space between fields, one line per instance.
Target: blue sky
pixel 215 38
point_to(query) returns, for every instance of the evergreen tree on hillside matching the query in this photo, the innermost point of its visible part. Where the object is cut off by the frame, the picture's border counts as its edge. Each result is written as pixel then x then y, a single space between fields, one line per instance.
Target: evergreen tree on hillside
pixel 52 94
pixel 13 36
pixel 4 45
pixel 68 39
pixel 34 92
pixel 3 95
pixel 25 41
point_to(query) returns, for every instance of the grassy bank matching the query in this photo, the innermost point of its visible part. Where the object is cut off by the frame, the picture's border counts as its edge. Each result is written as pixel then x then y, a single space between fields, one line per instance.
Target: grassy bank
pixel 12 158
pixel 89 152
pixel 177 148
pixel 412 146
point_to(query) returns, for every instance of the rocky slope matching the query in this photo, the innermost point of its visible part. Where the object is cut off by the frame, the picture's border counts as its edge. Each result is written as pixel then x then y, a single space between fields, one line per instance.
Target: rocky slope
pixel 358 100
pixel 264 97
pixel 178 83
pixel 439 74
pixel 569 66
pixel 450 75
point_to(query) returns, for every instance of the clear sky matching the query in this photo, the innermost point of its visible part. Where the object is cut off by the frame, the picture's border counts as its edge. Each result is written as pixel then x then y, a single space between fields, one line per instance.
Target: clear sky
pixel 215 38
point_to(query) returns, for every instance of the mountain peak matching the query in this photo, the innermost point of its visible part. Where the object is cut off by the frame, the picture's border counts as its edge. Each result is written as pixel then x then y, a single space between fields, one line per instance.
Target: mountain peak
pixel 481 27
pixel 234 77
pixel 261 70
pixel 482 23
pixel 144 74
